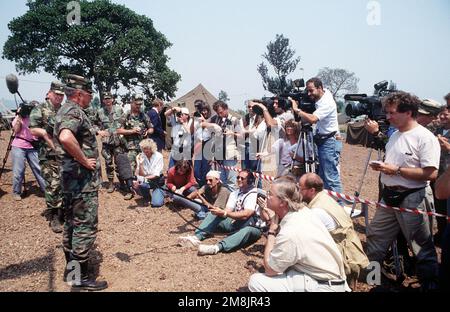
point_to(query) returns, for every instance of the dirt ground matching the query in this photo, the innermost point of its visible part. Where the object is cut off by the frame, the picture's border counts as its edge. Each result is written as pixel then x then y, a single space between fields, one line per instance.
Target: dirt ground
pixel 136 247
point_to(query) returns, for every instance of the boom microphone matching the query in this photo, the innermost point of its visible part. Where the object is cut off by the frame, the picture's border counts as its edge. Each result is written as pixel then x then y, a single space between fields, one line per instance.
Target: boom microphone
pixel 12 83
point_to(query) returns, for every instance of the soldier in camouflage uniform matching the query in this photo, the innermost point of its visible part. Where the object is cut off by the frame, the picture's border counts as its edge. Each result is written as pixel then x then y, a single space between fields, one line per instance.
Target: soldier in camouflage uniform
pixel 135 127
pixel 42 121
pixel 107 119
pixel 77 148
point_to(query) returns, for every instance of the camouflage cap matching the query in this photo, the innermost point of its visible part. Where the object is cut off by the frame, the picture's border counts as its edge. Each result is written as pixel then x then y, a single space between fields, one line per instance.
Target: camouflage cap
pixel 430 107
pixel 57 87
pixel 79 82
pixel 107 95
pixel 137 97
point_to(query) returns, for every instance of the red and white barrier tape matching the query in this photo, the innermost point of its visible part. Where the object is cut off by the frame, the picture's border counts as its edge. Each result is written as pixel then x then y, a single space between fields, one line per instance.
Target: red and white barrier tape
pixel 347 197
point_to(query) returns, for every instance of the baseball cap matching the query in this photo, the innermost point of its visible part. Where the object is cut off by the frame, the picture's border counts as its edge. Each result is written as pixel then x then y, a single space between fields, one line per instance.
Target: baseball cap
pixel 79 82
pixel 57 87
pixel 430 107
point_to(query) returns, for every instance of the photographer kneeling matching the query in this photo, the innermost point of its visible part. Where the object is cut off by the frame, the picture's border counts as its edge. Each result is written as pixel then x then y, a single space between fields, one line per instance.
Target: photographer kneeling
pixel 23 148
pixel 149 169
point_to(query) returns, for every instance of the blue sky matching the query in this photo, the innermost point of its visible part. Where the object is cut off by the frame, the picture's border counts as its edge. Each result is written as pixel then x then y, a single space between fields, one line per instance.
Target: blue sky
pixel 220 43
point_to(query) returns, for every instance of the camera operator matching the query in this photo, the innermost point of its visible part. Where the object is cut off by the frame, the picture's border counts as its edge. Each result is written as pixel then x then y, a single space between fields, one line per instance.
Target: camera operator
pixel 328 146
pixel 42 122
pixel 135 126
pixel 180 121
pixel 254 130
pixel 226 129
pixel 23 148
pixel 283 114
pixel 202 136
pixel 412 160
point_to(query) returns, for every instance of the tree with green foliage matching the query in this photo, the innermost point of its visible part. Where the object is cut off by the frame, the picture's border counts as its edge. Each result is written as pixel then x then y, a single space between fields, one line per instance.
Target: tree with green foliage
pixel 113 46
pixel 339 81
pixel 281 57
pixel 223 96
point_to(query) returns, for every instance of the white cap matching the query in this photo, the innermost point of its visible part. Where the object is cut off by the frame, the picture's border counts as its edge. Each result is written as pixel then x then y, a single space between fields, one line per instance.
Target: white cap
pixel 213 174
pixel 185 110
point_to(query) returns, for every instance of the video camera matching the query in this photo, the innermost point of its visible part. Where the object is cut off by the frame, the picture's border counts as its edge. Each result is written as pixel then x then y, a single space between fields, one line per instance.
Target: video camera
pixel 370 105
pixel 25 109
pixel 299 95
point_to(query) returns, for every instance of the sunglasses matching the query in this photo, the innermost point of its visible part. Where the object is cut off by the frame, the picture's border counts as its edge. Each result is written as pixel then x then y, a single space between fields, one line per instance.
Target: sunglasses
pixel 241 178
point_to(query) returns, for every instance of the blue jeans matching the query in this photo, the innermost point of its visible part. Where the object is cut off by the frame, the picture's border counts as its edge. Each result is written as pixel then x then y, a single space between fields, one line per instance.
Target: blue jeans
pixel 228 177
pixel 201 169
pixel 156 198
pixel 245 235
pixel 18 159
pixel 329 153
pixel 199 209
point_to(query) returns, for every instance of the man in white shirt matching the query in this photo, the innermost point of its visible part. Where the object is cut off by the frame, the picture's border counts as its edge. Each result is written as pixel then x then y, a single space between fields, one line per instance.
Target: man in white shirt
pixel 300 255
pixel 328 147
pixel 412 160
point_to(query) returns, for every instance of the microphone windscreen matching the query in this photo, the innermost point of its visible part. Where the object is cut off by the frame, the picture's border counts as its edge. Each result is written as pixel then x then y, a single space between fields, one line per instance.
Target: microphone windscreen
pixel 124 166
pixel 12 83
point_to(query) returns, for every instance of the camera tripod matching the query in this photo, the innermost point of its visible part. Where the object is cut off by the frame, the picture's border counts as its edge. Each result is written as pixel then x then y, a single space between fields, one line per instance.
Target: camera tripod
pixel 306 142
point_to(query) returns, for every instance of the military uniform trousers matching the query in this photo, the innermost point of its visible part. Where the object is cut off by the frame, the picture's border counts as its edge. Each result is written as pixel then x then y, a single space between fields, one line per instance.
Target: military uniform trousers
pixel 132 155
pixel 80 228
pixel 108 153
pixel 53 192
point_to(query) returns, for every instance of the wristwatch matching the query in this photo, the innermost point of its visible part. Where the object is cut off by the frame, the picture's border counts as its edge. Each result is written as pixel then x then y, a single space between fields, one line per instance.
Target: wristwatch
pixel 271 233
pixel 398 172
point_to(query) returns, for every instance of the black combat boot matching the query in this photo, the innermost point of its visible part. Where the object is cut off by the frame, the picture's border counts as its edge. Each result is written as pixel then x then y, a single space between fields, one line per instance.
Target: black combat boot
pixel 55 221
pixel 68 256
pixel 111 186
pixel 86 283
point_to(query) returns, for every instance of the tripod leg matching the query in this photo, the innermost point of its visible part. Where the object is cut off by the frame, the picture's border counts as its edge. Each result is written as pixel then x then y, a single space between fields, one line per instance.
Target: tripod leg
pixel 8 150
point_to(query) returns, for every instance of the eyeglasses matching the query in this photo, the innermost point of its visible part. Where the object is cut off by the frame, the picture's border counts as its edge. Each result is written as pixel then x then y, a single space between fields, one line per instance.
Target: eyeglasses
pixel 209 180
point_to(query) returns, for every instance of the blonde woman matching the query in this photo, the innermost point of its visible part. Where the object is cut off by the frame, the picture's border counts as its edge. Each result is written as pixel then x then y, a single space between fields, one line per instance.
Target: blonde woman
pixel 149 167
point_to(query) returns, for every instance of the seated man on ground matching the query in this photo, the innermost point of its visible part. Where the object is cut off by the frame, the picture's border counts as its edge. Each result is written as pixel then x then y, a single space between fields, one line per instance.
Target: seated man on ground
pixel 337 222
pixel 210 195
pixel 149 168
pixel 240 217
pixel 300 255
pixel 181 179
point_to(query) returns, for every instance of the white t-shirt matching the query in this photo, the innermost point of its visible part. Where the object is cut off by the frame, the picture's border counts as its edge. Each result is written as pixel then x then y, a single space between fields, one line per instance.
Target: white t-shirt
pixel 239 201
pixel 416 148
pixel 180 134
pixel 304 244
pixel 256 138
pixel 326 219
pixel 152 166
pixel 201 134
pixel 326 112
